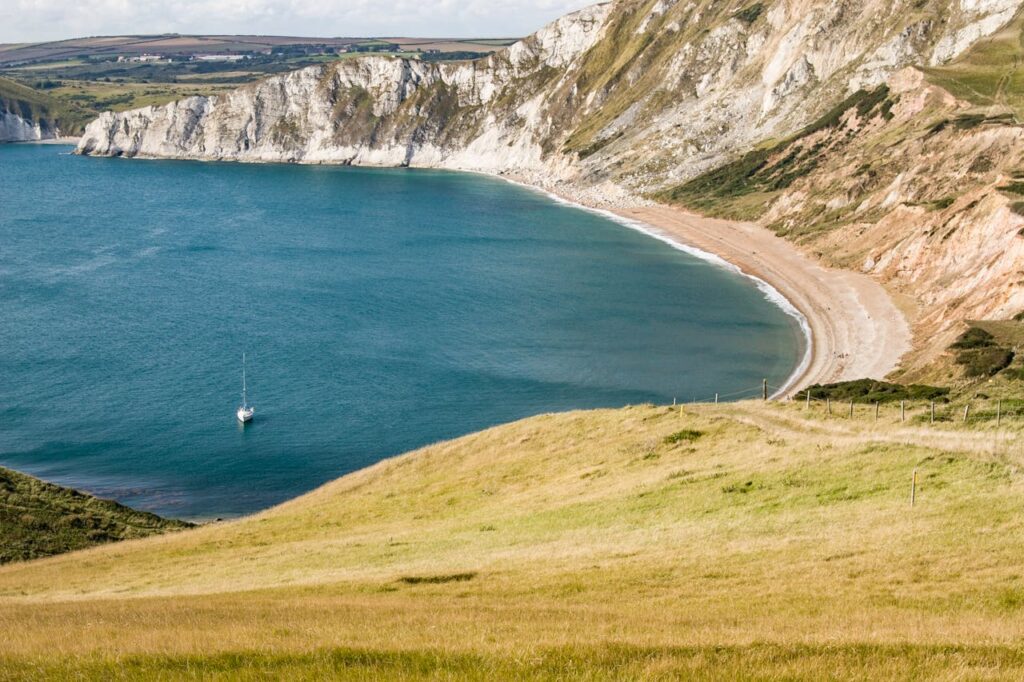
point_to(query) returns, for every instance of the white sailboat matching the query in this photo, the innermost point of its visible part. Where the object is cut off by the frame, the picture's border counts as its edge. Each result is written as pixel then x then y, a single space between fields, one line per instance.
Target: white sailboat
pixel 245 410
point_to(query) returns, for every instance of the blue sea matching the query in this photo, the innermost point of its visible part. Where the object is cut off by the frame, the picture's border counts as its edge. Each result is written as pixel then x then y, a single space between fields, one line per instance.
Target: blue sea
pixel 380 310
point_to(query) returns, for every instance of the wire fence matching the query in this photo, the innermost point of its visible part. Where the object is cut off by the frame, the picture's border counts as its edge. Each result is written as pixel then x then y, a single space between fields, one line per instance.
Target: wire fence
pixel 996 411
pixel 764 390
pixel 912 411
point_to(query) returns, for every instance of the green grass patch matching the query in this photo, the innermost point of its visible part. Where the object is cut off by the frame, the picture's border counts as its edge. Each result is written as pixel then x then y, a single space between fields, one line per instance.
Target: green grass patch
pixel 1015 187
pixel 838 660
pixel 940 204
pixel 436 579
pixel 974 338
pixel 684 436
pixel 748 15
pixel 980 353
pixel 988 73
pixel 984 362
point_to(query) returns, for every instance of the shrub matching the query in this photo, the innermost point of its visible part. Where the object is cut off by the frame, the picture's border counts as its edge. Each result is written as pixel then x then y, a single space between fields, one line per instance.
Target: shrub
pixel 973 338
pixel 985 362
pixel 940 204
pixel 872 391
pixel 686 435
pixel 1015 187
pixel 748 15
pixel 436 579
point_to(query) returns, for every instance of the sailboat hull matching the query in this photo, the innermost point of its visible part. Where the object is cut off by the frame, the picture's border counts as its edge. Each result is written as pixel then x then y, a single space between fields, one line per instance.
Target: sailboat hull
pixel 244 414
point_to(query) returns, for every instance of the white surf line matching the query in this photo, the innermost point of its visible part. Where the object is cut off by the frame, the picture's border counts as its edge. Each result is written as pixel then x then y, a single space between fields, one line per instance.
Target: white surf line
pixel 771 294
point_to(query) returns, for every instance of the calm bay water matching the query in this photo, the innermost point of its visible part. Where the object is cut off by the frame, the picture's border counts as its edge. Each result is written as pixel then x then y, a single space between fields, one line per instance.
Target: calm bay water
pixel 381 310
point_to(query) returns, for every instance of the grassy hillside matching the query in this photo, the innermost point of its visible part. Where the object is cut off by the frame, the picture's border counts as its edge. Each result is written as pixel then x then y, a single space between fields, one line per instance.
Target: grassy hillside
pixel 720 542
pixel 39 519
pixel 37 106
pixel 989 74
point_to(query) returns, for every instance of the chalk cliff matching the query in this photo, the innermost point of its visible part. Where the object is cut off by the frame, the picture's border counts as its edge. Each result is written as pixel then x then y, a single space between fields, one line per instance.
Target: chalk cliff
pixel 27 114
pixel 14 128
pixel 637 92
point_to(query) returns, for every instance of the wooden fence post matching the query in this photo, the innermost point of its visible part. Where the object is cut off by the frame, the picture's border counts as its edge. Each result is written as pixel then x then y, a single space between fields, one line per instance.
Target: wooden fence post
pixel 933 412
pixel 808 399
pixel 967 409
pixel 913 488
pixel 828 404
pixel 876 410
pixel 903 411
pixel 764 389
pixel 851 409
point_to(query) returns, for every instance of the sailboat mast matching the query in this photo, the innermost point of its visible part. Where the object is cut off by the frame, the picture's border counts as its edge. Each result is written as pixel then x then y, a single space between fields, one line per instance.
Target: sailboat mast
pixel 244 400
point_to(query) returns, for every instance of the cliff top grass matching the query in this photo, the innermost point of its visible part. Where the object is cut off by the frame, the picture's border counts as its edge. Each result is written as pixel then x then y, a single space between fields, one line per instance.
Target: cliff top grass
pixel 740 541
pixel 989 73
pixel 39 519
pixel 37 106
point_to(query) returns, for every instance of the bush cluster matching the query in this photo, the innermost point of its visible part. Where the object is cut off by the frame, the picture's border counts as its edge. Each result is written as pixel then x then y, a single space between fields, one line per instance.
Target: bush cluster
pixel 979 353
pixel 872 391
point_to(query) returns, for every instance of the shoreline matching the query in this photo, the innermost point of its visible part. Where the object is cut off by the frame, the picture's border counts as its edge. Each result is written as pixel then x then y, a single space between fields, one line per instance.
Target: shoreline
pixel 852 327
pixel 47 140
pixel 855 329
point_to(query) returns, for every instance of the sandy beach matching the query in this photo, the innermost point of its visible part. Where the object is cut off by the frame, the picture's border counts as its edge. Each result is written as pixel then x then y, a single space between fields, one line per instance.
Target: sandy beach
pixel 856 329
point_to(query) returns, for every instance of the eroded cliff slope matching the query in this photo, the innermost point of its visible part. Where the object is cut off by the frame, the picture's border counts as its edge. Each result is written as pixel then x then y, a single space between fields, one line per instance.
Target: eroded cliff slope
pixel 640 92
pixel 921 189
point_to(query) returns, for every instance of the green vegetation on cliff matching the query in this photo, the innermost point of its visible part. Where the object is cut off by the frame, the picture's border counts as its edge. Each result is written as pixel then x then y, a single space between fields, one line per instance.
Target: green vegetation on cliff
pixel 989 74
pixel 39 519
pixel 41 108
pixel 742 189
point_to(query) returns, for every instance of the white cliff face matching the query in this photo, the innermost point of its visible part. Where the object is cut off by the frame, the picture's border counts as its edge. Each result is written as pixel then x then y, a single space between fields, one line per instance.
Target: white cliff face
pixel 634 94
pixel 370 111
pixel 14 128
pixel 987 17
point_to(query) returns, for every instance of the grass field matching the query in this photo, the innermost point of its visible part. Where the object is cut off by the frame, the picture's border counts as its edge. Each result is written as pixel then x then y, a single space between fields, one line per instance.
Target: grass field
pixel 744 541
pixel 100 96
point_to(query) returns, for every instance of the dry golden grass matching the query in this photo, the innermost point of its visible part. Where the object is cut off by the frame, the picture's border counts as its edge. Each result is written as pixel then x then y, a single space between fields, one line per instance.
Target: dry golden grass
pixel 777 543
